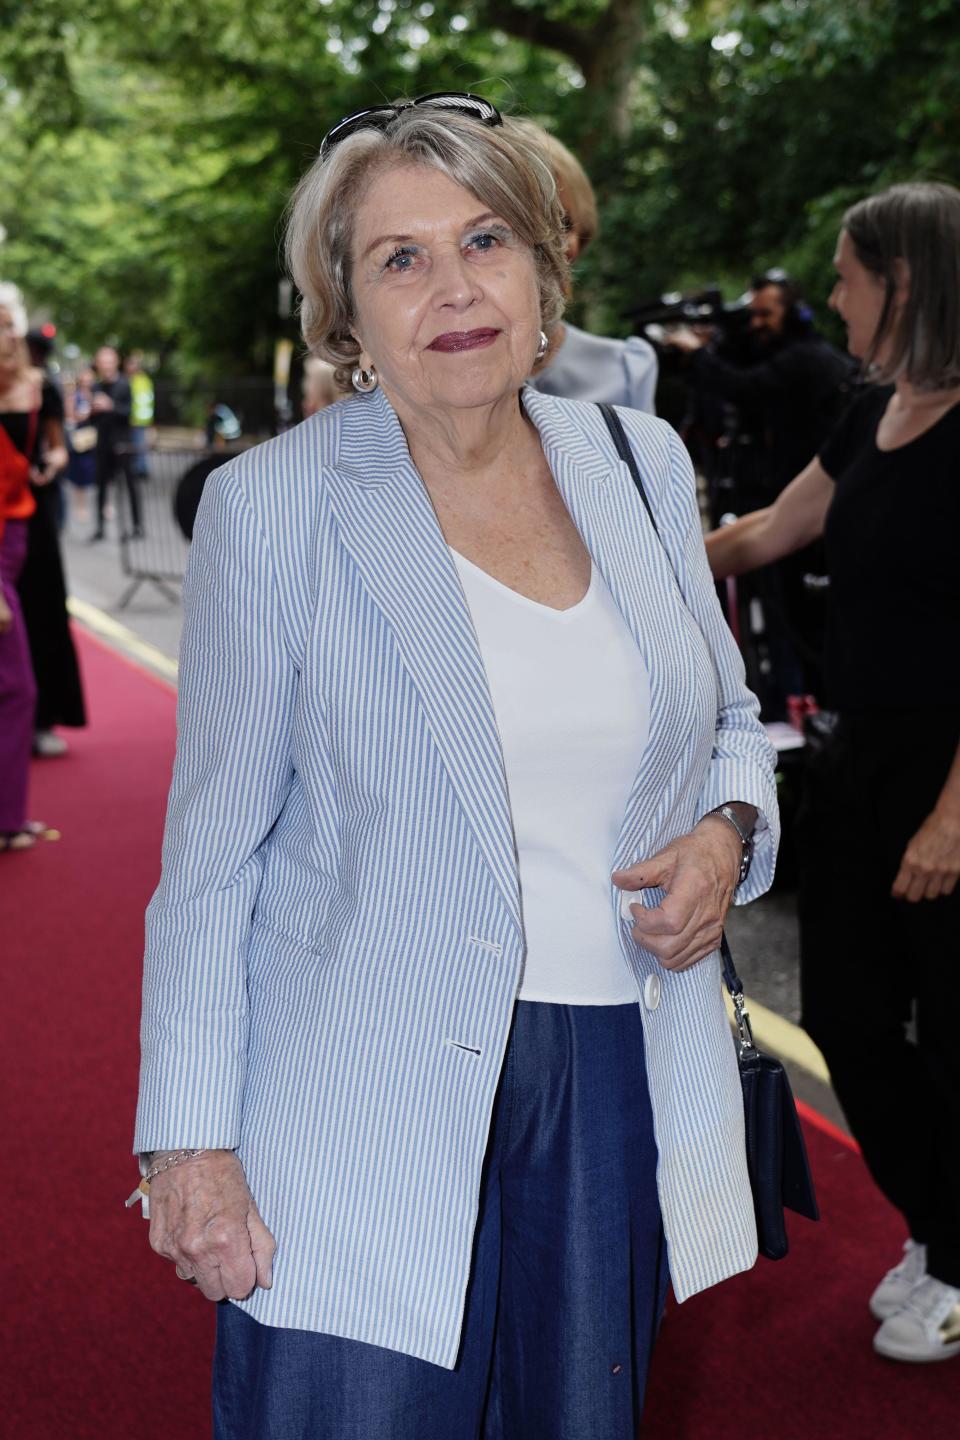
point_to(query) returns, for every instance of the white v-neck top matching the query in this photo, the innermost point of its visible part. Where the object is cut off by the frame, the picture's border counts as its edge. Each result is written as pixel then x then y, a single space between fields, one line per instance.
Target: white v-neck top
pixel 572 700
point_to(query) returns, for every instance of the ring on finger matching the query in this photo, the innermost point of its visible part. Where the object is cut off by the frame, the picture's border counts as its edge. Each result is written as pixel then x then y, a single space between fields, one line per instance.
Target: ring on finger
pixel 190 1279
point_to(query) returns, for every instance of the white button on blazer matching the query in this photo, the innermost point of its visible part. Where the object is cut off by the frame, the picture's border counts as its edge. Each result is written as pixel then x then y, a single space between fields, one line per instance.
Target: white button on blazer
pixel 651 991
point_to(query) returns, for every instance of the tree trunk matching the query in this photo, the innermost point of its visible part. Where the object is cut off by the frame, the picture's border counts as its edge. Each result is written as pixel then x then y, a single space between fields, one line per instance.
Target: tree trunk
pixel 609 68
pixel 607 52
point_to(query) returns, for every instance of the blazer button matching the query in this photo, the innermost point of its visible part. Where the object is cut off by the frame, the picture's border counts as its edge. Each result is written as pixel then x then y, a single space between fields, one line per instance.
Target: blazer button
pixel 651 992
pixel 628 898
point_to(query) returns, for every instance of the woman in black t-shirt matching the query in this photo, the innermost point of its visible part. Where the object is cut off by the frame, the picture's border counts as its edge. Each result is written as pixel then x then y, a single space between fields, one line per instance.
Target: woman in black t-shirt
pixel 880 833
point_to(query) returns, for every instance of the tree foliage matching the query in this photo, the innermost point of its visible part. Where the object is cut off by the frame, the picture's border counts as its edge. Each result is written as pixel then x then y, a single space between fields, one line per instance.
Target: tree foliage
pixel 148 150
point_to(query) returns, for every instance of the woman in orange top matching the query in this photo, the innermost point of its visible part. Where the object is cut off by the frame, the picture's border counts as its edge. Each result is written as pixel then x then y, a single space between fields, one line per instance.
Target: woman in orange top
pixel 31 448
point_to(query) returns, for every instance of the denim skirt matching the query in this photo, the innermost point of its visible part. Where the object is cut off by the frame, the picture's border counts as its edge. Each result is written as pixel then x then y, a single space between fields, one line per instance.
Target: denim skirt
pixel 568 1279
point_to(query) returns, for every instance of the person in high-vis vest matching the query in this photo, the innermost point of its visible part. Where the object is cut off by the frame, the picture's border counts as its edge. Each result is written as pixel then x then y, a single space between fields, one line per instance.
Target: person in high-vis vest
pixel 141 412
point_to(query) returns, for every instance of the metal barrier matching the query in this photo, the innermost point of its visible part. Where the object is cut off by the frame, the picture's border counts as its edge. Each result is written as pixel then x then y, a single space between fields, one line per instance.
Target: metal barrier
pixel 155 541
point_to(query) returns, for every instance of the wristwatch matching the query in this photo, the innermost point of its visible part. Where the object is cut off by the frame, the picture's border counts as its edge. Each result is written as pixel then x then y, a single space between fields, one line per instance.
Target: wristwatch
pixel 746 839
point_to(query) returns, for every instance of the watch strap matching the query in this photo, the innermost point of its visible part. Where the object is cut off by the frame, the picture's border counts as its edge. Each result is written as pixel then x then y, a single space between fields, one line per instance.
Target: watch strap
pixel 726 812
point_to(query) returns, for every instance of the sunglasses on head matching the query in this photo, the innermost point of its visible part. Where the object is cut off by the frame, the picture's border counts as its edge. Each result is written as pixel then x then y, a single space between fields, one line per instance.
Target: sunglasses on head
pixel 378 117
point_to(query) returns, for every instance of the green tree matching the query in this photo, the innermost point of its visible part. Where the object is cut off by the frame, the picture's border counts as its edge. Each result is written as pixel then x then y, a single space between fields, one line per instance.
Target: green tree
pixel 148 151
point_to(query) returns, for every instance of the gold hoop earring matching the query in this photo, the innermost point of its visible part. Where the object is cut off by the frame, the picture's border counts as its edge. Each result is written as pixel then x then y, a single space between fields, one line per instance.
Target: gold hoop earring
pixel 365 380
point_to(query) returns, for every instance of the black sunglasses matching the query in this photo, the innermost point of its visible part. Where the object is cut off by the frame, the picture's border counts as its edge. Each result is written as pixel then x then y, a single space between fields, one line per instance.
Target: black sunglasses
pixel 378 117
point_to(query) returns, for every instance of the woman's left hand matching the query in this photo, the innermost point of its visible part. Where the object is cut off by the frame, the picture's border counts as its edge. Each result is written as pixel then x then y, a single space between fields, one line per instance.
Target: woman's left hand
pixel 699 873
pixel 931 862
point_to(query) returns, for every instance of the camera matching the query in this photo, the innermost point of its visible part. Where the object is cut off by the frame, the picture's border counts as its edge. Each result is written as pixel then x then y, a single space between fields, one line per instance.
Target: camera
pixel 694 307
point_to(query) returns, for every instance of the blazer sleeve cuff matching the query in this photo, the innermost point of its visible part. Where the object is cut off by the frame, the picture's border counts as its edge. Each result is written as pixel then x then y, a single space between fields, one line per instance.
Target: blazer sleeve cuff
pixel 731 780
pixel 190 1100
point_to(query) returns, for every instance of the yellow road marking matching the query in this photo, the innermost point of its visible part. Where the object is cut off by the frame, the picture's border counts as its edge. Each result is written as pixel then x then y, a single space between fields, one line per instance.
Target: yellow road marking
pixel 772 1032
pixel 125 639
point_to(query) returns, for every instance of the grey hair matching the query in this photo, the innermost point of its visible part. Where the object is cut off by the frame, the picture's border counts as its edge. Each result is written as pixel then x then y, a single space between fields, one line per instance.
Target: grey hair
pixel 918 223
pixel 498 164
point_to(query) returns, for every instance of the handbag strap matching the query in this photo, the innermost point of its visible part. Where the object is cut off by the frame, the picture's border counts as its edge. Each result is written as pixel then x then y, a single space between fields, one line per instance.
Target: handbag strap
pixel 735 985
pixel 625 451
pixel 732 980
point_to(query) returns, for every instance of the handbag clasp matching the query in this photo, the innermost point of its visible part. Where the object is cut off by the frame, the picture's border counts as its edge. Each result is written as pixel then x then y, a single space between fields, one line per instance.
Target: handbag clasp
pixel 744 1032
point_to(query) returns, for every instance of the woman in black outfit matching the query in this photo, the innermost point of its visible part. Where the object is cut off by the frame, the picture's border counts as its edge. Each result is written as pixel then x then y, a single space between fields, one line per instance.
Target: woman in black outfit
pixel 32 452
pixel 880 836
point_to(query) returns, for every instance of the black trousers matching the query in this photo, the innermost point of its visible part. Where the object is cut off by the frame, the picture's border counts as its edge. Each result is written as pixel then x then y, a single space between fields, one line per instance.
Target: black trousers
pixel 109 467
pixel 881 977
pixel 43 597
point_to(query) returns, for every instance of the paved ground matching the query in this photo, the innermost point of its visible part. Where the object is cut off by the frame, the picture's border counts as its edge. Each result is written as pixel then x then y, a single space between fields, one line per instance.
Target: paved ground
pixel 763 935
pixel 96 574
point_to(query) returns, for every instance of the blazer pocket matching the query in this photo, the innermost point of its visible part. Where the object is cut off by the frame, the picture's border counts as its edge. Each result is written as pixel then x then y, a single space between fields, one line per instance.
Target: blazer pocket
pixel 274 956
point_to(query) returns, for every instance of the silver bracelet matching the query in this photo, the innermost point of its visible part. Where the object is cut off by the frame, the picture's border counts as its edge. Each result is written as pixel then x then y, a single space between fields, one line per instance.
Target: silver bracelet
pixel 171 1161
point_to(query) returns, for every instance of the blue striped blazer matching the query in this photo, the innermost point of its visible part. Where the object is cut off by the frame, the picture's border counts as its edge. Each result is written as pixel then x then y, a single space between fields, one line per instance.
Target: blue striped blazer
pixel 339 912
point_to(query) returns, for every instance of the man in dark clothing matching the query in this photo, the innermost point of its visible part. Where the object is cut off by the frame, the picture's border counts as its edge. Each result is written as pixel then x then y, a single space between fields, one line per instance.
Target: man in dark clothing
pixel 110 413
pixel 779 388
pixel 788 384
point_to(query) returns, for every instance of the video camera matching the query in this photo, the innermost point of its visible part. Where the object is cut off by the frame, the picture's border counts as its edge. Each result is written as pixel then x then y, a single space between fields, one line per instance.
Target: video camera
pixel 695 307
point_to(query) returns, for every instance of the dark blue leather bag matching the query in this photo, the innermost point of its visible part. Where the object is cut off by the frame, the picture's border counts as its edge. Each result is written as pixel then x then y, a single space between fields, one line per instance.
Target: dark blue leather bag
pixel 776 1154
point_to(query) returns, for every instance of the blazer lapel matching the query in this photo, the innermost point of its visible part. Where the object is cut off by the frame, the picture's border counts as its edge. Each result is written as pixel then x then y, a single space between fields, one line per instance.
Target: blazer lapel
pixel 603 502
pixel 387 524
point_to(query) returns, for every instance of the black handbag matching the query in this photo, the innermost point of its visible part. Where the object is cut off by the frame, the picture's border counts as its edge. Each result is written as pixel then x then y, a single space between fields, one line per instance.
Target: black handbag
pixel 776 1154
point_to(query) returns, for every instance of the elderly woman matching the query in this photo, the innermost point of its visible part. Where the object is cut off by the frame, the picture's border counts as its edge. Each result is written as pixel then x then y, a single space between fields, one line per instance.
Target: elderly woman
pixel 440 677
pixel 578 365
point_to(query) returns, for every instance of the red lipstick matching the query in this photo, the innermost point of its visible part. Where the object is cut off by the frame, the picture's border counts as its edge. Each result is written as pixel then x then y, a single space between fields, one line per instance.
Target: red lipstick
pixel 456 340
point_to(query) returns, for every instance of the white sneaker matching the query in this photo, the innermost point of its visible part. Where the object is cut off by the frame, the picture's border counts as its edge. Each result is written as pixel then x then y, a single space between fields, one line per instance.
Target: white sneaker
pixel 896 1285
pixel 46 743
pixel 926 1327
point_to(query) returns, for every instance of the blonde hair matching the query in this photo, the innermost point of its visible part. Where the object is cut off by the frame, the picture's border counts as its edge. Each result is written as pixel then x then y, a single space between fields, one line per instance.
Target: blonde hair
pixel 573 182
pixel 14 355
pixel 918 224
pixel 499 164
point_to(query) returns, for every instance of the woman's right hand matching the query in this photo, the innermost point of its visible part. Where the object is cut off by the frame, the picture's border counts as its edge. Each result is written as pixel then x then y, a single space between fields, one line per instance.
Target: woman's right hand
pixel 204 1219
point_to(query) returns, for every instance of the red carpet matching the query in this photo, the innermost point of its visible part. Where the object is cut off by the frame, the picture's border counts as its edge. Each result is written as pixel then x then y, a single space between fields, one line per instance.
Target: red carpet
pixel 784 1352
pixel 98 1340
